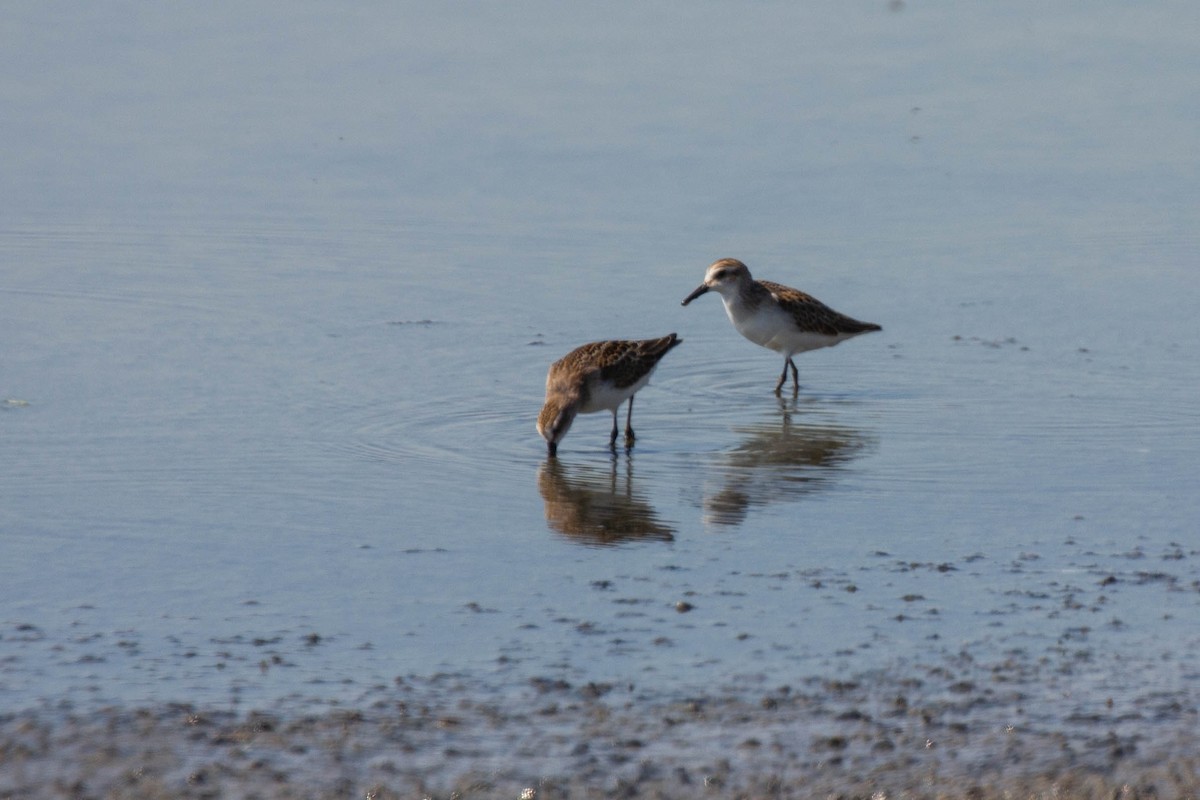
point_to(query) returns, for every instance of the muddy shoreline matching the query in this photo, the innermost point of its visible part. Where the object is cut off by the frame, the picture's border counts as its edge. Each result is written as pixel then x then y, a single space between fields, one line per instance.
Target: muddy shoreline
pixel 933 732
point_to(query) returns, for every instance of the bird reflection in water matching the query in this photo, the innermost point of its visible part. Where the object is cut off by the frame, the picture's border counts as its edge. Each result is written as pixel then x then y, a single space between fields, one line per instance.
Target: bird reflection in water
pixel 778 461
pixel 596 507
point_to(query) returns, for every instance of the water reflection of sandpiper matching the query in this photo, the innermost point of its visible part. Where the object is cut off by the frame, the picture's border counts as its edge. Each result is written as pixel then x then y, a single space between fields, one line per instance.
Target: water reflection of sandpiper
pixel 779 461
pixel 597 507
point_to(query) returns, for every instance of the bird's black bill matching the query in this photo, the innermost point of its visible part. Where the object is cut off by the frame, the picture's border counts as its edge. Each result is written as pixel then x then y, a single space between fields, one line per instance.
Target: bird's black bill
pixel 552 448
pixel 701 289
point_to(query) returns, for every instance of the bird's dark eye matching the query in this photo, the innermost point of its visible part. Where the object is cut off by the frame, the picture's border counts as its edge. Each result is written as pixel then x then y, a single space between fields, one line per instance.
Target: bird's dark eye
pixel 719 274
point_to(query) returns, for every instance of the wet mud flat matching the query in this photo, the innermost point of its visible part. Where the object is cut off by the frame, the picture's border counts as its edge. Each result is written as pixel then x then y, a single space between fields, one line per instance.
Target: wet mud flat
pixel 949 730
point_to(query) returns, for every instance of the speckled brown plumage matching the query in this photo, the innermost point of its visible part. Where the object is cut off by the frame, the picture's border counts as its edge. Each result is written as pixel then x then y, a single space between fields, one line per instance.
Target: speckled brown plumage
pixel 598 376
pixel 811 314
pixel 620 362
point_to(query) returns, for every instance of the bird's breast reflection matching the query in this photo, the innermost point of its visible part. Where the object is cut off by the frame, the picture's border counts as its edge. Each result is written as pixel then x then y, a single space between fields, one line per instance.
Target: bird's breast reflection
pixel 598 507
pixel 777 462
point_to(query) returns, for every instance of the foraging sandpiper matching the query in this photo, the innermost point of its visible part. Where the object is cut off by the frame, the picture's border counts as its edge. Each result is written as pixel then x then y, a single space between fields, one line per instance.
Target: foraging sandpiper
pixel 777 317
pixel 598 377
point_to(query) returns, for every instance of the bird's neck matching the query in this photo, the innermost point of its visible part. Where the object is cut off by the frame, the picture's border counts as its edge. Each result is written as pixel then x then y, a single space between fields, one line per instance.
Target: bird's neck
pixel 747 297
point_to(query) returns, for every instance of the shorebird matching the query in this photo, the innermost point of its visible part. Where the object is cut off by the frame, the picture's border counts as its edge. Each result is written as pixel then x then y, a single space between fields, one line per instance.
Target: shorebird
pixel 777 317
pixel 598 376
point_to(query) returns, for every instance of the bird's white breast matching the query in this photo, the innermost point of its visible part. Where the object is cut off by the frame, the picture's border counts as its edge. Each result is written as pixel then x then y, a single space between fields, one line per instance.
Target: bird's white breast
pixel 772 327
pixel 603 396
pixel 762 325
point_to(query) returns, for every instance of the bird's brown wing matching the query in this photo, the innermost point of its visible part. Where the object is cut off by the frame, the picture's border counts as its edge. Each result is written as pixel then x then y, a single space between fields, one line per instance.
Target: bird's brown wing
pixel 624 362
pixel 811 314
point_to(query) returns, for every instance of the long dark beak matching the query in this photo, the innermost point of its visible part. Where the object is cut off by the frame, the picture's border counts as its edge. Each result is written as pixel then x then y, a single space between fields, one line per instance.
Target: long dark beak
pixel 701 289
pixel 553 448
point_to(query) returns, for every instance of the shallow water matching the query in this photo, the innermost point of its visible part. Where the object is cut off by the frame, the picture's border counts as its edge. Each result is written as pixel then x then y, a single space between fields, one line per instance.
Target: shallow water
pixel 278 298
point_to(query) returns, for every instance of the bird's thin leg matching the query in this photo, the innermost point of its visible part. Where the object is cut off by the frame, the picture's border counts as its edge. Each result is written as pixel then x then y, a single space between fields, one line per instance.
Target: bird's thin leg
pixel 782 378
pixel 612 440
pixel 795 377
pixel 629 437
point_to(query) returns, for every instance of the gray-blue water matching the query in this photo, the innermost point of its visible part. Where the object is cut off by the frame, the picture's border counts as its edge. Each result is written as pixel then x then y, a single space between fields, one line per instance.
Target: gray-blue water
pixel 278 291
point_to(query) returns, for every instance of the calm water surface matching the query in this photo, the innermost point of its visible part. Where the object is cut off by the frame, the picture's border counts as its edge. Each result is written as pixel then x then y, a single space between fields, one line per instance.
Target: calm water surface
pixel 277 298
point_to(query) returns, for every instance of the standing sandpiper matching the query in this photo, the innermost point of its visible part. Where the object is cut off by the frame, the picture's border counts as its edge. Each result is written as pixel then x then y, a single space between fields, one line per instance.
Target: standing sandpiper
pixel 777 317
pixel 598 377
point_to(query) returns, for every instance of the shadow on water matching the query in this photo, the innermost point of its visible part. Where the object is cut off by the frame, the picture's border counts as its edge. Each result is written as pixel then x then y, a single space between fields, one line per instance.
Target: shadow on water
pixel 779 461
pixel 595 507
